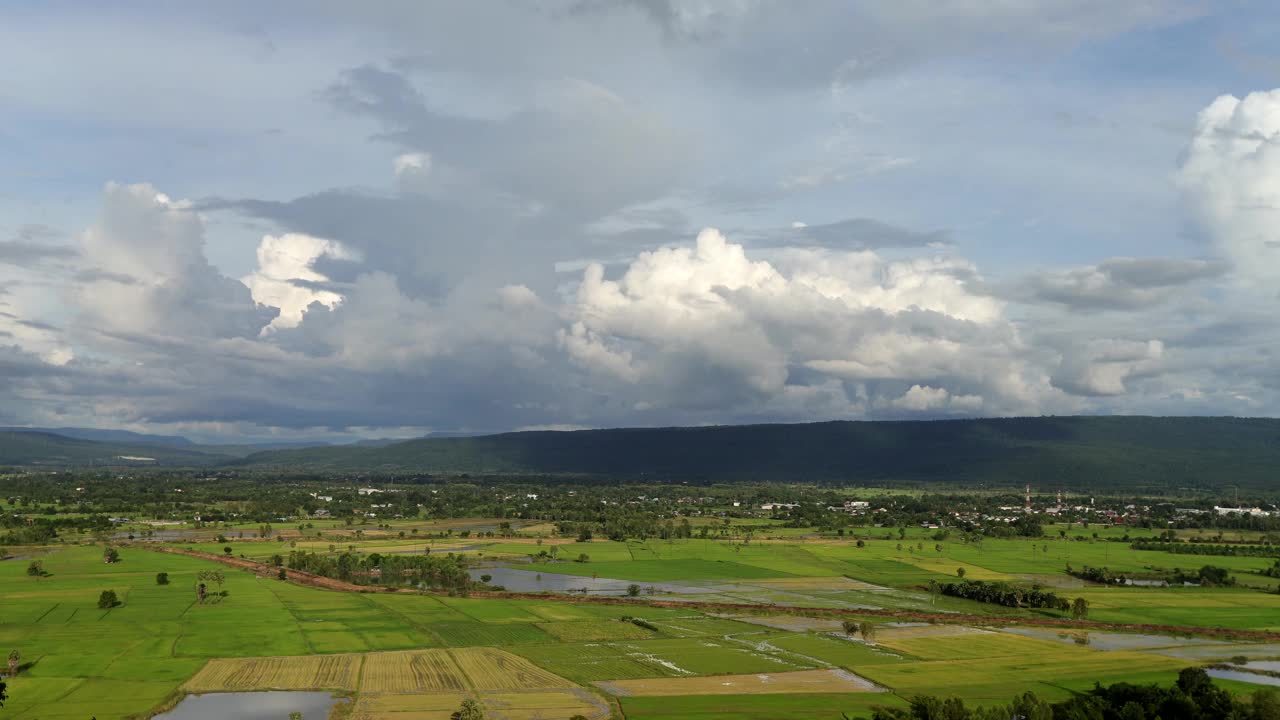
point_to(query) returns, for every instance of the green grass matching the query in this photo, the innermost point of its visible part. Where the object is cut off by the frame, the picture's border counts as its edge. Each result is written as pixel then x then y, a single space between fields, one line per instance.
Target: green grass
pixel 589 662
pixel 844 653
pixel 113 663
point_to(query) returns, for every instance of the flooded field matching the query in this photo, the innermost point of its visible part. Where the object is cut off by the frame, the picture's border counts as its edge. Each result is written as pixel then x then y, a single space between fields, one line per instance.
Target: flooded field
pixel 517 580
pixel 251 706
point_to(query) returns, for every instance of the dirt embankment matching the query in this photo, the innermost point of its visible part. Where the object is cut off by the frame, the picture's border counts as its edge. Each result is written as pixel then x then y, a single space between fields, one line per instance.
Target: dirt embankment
pixel 304 578
pixel 264 570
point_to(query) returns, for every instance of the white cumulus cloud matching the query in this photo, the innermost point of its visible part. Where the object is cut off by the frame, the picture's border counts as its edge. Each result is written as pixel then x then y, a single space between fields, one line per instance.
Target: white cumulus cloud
pixel 287 258
pixel 1231 175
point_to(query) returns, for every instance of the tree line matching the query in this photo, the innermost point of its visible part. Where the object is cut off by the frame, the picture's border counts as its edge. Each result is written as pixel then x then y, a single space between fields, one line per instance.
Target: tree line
pixel 1194 548
pixel 1002 593
pixel 1192 697
pixel 437 572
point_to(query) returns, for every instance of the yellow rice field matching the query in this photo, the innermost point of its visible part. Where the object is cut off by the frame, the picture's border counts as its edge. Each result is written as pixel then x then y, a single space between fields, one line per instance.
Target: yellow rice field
pixel 493 669
pixel 411 671
pixel 311 672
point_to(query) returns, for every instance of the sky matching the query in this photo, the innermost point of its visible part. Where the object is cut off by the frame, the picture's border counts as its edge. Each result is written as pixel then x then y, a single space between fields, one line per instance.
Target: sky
pixel 332 220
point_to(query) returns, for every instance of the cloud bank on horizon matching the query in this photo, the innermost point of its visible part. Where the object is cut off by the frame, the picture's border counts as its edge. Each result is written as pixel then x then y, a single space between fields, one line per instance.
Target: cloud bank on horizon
pixel 325 220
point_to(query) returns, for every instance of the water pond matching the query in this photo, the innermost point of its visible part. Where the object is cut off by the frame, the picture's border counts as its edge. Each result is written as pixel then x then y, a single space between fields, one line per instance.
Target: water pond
pixel 517 580
pixel 1112 640
pixel 1241 676
pixel 252 706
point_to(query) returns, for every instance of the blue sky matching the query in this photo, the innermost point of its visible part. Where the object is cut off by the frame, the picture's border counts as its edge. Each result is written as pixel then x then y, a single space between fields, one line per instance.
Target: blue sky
pixel 392 218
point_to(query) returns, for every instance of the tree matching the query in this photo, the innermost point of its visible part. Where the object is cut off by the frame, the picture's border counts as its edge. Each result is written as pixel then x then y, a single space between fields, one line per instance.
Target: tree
pixel 110 555
pixel 2 695
pixel 282 574
pixel 633 590
pixel 36 569
pixel 470 710
pixel 226 550
pixel 14 658
pixel 295 716
pixel 1080 609
pixel 486 578
pixel 868 631
pixel 959 572
pixel 850 627
pixel 203 578
pixel 162 578
pixel 1029 707
pixel 108 600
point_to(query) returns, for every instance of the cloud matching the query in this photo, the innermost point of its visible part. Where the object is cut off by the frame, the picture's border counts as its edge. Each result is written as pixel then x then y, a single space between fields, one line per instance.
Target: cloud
pixel 689 328
pixel 286 277
pixel 1231 177
pixel 30 248
pixel 853 234
pixel 575 146
pixel 1100 367
pixel 142 234
pixel 1118 283
pixel 922 398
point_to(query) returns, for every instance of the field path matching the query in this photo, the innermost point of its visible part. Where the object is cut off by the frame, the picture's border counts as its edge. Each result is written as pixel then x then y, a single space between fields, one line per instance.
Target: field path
pixel 302 578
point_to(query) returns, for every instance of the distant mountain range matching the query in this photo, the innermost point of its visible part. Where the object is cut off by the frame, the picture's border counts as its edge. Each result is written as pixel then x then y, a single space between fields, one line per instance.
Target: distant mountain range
pixel 1048 452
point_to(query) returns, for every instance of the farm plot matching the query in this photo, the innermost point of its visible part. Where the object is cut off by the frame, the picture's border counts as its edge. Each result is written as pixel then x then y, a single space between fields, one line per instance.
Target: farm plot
pixel 804 681
pixel 706 656
pixel 544 704
pixel 592 661
pixel 704 626
pixel 793 623
pixel 408 672
pixel 476 633
pixel 314 672
pixel 958 643
pixel 834 650
pixel 595 630
pixel 791 706
pixel 1049 674
pixel 493 669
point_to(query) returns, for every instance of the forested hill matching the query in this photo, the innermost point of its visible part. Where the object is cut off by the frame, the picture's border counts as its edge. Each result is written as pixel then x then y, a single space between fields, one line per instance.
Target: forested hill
pixel 30 447
pixel 1076 452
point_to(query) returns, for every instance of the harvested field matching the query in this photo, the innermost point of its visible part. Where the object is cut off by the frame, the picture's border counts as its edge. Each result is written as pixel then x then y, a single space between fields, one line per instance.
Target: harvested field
pixel 804 681
pixel 314 672
pixel 431 706
pixel 544 704
pixel 414 671
pixel 493 669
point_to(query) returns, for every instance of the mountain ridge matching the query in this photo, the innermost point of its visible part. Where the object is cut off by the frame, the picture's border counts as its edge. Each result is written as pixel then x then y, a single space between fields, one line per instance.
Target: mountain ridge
pixel 1078 450
pixel 1158 453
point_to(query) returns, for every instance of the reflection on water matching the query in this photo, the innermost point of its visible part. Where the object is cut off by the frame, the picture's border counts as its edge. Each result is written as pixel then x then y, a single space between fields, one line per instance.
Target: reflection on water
pixel 1111 640
pixel 1244 677
pixel 532 581
pixel 252 706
